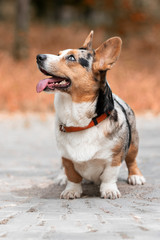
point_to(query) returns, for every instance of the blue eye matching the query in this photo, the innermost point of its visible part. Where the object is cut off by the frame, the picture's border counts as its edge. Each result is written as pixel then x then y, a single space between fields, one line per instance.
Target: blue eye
pixel 71 58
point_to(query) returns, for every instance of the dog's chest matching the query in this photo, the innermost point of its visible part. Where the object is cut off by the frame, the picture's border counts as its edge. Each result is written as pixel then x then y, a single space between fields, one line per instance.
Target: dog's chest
pixel 91 170
pixel 84 146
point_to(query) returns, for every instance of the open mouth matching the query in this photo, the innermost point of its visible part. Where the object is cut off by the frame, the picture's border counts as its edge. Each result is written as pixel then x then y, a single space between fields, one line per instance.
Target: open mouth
pixel 52 83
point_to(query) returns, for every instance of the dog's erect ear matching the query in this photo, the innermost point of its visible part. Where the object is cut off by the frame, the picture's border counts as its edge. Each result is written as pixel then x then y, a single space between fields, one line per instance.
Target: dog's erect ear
pixel 107 54
pixel 88 42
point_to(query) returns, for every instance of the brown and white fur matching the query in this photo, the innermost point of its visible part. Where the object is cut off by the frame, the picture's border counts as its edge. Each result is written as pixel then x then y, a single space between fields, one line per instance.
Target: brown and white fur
pixel 78 79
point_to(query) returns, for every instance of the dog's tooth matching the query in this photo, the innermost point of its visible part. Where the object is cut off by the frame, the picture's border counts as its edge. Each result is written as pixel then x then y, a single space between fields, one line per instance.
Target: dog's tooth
pixel 63 82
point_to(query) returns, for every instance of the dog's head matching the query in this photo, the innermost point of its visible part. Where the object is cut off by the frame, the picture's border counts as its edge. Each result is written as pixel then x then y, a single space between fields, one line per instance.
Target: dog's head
pixel 79 72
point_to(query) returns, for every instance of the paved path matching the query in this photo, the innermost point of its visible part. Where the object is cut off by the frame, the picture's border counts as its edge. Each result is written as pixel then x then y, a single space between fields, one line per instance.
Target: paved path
pixel 30 207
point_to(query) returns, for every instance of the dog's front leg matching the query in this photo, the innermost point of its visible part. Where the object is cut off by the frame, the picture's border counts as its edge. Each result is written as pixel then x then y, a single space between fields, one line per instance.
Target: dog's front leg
pixel 73 188
pixel 108 187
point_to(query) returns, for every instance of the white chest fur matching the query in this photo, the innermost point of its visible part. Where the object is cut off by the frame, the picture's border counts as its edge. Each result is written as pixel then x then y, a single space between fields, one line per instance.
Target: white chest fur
pixel 84 145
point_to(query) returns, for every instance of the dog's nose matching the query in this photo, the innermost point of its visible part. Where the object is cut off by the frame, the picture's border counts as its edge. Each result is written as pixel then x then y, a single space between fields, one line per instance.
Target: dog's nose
pixel 41 58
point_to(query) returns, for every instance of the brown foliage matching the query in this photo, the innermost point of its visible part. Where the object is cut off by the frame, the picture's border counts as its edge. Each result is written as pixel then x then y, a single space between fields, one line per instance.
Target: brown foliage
pixel 135 77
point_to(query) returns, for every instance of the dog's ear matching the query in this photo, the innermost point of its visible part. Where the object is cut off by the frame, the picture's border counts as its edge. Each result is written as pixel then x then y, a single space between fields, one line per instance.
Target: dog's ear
pixel 88 42
pixel 107 54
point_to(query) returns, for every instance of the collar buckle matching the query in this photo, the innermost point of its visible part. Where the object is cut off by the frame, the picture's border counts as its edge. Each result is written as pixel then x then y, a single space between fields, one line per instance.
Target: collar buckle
pixel 61 128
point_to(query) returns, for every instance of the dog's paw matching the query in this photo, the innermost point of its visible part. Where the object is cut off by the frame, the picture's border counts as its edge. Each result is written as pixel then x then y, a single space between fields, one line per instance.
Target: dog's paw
pixel 70 194
pixel 136 180
pixel 109 191
pixel 72 190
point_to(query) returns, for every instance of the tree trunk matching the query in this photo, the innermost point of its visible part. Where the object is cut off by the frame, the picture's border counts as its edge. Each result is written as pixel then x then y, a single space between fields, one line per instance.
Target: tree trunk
pixel 20 48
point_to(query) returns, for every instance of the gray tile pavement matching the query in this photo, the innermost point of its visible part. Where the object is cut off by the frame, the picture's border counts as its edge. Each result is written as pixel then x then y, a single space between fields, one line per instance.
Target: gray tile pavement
pixel 30 207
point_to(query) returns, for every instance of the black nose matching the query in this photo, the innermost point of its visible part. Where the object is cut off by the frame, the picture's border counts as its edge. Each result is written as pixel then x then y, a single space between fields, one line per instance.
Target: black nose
pixel 41 58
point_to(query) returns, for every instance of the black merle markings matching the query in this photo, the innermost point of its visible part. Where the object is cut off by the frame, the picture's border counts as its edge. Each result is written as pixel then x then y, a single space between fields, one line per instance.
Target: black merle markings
pixel 84 62
pixel 85 58
pixel 82 48
pixel 89 56
pixel 114 115
pixel 105 103
pixel 127 121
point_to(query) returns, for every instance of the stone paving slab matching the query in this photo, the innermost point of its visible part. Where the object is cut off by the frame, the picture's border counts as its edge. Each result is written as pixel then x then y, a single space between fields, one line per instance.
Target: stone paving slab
pixel 30 207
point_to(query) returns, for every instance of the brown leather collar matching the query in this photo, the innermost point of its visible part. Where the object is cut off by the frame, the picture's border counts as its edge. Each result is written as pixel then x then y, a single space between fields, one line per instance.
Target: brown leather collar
pixel 93 123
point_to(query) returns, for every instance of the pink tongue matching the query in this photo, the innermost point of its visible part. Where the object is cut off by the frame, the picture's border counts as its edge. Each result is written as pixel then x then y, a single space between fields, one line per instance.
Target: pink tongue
pixel 42 85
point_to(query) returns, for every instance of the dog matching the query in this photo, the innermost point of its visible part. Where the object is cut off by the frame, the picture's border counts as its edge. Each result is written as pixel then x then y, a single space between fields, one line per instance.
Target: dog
pixel 95 129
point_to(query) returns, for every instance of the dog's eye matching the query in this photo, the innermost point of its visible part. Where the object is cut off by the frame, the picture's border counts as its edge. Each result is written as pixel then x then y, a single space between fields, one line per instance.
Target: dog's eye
pixel 71 58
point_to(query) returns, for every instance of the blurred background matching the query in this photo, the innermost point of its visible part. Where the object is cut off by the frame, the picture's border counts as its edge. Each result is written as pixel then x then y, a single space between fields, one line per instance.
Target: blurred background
pixel 30 27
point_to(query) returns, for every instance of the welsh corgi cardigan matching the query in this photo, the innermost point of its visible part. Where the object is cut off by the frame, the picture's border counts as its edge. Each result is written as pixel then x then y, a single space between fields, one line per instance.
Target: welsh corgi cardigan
pixel 95 129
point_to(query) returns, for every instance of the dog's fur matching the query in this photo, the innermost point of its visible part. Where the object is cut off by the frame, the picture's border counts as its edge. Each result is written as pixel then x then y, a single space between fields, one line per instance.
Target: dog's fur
pixel 96 153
